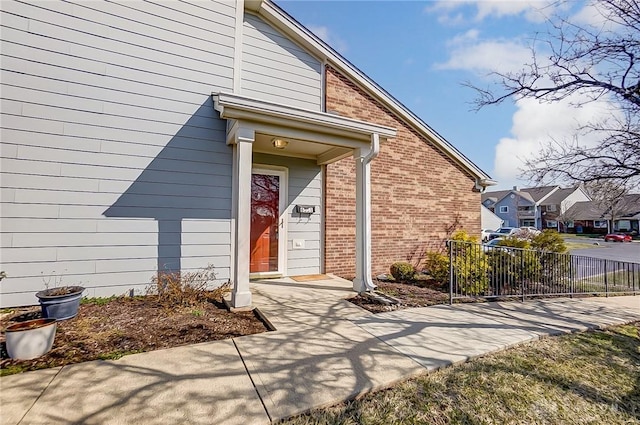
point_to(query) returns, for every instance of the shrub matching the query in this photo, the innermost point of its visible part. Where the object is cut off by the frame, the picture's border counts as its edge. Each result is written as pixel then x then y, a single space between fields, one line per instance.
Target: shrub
pixel 437 265
pixel 555 267
pixel 537 261
pixel 509 269
pixel 549 240
pixel 515 242
pixel 470 265
pixel 187 289
pixel 402 271
pixel 462 236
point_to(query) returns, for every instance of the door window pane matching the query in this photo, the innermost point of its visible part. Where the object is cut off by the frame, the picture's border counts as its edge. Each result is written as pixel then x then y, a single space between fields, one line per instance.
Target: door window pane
pixel 265 221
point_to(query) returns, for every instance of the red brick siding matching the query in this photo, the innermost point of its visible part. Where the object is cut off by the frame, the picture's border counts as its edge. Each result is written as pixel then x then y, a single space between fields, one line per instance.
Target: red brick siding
pixel 417 191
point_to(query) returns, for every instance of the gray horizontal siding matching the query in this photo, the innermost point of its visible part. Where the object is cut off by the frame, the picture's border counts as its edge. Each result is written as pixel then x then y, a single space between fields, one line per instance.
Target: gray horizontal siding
pixel 113 160
pixel 305 179
pixel 278 70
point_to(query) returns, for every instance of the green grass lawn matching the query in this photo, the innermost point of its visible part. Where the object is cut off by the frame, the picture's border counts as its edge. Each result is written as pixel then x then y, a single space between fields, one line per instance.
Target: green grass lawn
pixel 584 378
pixel 578 245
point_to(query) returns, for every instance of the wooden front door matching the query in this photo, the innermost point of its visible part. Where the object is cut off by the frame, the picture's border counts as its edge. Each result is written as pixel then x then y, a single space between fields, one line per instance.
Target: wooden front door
pixel 265 222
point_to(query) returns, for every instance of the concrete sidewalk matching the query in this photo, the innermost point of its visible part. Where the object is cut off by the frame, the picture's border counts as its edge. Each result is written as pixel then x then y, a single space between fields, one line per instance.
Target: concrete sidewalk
pixel 325 350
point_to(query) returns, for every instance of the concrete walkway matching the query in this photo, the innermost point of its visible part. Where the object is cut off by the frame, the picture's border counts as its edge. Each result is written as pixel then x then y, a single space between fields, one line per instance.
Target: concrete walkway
pixel 325 350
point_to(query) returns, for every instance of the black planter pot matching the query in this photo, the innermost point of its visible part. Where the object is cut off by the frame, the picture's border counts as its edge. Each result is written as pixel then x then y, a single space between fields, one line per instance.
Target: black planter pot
pixel 60 303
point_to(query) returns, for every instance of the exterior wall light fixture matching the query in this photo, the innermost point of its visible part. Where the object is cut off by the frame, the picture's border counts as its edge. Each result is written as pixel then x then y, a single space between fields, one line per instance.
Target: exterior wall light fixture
pixel 279 143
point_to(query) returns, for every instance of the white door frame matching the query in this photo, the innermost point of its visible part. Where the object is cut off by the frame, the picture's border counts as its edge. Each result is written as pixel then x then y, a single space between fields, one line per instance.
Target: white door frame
pixel 283 235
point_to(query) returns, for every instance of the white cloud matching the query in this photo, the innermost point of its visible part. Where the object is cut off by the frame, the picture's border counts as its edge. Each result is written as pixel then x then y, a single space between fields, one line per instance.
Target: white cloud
pixel 486 56
pixel 471 35
pixel 537 124
pixel 329 37
pixel 532 10
pixel 594 14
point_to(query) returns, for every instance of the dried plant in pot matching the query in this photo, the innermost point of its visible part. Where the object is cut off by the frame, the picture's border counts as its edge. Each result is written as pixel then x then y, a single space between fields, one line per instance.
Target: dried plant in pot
pixel 31 338
pixel 60 303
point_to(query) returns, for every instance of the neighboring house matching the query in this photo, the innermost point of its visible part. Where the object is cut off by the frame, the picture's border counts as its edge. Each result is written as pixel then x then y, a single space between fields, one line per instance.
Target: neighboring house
pixel 518 207
pixel 489 220
pixel 590 217
pixel 141 136
pixel 540 207
pixel 553 209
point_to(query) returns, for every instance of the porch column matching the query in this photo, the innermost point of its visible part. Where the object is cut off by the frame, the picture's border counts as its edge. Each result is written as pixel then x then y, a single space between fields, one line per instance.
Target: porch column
pixel 241 217
pixel 363 157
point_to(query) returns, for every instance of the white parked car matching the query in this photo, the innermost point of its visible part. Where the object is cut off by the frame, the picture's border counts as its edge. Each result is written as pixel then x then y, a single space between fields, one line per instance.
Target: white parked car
pixel 484 235
pixel 503 232
pixel 492 244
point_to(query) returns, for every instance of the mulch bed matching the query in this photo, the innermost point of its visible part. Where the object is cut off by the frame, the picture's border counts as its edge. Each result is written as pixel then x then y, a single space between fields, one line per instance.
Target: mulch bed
pixel 419 294
pixel 129 325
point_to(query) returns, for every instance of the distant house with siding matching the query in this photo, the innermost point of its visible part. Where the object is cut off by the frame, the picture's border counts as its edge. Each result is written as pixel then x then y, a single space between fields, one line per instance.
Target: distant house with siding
pixel 592 217
pixel 140 137
pixel 540 207
pixel 554 207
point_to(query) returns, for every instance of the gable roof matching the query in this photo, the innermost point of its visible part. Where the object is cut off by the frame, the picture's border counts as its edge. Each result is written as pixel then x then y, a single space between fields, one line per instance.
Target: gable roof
pixel 589 210
pixel 276 16
pixel 495 195
pixel 533 194
pixel 585 210
pixel 540 193
pixel 559 195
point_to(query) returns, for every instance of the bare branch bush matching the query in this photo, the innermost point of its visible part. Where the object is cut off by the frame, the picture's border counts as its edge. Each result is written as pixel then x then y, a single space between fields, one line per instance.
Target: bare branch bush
pixel 187 289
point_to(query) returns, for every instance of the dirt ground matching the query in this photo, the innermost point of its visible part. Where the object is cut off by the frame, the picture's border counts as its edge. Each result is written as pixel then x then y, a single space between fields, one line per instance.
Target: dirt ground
pixel 420 294
pixel 108 330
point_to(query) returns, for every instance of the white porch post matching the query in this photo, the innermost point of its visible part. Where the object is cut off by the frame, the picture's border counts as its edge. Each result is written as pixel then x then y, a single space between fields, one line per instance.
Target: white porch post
pixel 363 157
pixel 241 217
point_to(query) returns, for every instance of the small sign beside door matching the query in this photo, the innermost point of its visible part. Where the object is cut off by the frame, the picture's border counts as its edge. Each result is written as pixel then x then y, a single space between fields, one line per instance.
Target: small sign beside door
pixel 305 209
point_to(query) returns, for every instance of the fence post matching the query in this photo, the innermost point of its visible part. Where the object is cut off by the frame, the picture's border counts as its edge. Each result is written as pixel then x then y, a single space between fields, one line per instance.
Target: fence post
pixel 522 274
pixel 606 280
pixel 571 278
pixel 450 246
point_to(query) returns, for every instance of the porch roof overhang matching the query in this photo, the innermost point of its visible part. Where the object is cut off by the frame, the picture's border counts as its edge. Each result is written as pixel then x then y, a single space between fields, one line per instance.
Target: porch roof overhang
pixel 318 135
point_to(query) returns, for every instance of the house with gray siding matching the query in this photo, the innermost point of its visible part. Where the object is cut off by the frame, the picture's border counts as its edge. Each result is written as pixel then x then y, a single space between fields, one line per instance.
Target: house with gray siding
pixel 141 137
pixel 541 207
pixel 553 209
pixel 518 207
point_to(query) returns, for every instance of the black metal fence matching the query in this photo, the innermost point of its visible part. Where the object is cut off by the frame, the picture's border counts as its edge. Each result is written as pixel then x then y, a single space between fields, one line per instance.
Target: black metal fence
pixel 481 271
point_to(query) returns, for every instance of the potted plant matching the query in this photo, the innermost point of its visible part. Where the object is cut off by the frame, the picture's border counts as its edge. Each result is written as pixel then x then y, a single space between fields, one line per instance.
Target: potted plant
pixel 31 338
pixel 60 303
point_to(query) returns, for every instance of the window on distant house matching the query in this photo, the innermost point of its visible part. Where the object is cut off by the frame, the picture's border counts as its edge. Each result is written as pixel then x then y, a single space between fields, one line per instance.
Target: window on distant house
pixel 504 209
pixel 551 208
pixel 552 224
pixel 570 224
pixel 525 208
pixel 527 223
pixel 623 225
pixel 600 224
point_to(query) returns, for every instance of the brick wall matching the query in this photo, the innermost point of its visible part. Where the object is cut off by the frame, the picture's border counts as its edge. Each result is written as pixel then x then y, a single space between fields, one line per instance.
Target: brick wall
pixel 417 191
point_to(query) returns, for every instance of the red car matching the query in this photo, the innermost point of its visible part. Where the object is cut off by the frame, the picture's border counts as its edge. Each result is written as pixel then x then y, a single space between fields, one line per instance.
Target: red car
pixel 617 237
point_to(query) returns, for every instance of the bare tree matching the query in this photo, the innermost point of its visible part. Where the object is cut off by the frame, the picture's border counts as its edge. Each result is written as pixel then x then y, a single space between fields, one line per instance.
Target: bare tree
pixel 566 216
pixel 611 198
pixel 584 63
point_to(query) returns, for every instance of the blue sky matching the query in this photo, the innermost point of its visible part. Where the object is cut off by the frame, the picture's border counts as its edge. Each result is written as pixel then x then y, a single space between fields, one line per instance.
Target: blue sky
pixel 421 52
